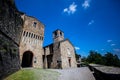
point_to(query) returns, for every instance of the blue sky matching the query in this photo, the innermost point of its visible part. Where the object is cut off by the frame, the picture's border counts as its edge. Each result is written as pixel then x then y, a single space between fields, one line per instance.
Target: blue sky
pixel 88 24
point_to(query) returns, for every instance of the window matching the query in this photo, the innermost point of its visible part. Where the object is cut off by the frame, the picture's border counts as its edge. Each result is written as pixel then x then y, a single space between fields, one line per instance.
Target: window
pixel 29 34
pixel 60 33
pixel 55 34
pixel 34 24
pixel 24 33
pixel 32 35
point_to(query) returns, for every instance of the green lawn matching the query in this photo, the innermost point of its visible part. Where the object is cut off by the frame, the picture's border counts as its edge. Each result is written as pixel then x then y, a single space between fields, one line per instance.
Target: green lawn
pixel 33 74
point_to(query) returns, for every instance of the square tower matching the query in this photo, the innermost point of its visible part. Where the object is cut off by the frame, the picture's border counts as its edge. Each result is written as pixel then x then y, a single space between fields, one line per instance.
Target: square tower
pixel 58 35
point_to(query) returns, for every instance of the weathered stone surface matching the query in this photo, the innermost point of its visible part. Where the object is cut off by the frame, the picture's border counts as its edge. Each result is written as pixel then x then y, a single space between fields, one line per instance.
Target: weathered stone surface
pixel 9 56
pixel 62 52
pixel 67 52
pixel 10 20
pixel 105 72
pixel 106 69
pixel 32 40
pixel 10 31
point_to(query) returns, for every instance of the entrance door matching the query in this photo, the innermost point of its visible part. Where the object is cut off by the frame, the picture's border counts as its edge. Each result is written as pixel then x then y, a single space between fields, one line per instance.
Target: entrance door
pixel 27 59
pixel 49 60
pixel 69 60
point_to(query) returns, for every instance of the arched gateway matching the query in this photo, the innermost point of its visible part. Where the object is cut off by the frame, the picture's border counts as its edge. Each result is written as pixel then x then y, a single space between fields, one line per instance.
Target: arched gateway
pixel 27 59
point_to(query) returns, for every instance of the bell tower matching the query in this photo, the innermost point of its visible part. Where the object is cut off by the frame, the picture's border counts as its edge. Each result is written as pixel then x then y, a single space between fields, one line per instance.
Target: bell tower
pixel 58 35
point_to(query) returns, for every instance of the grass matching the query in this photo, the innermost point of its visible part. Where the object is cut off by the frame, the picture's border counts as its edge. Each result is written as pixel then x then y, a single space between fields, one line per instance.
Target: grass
pixel 33 74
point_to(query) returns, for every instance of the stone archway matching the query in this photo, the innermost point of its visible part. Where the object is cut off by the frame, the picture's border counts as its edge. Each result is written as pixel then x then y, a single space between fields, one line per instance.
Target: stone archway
pixel 27 59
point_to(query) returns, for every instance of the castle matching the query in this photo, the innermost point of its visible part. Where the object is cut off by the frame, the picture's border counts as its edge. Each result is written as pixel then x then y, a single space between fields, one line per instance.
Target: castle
pixel 59 54
pixel 21 43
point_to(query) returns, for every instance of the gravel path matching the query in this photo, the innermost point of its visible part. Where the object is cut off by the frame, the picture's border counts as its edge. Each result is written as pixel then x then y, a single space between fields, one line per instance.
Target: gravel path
pixel 82 73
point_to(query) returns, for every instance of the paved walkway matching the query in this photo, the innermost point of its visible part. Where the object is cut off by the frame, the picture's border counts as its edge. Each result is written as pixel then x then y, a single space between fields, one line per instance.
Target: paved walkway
pixel 82 73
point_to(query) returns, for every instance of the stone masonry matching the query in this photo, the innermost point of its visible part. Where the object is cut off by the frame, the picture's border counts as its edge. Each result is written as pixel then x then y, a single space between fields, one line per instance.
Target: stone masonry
pixel 10 31
pixel 60 54
pixel 21 43
pixel 31 41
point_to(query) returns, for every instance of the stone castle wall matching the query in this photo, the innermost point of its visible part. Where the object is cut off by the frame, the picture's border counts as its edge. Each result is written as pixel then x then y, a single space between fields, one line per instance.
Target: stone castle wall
pixel 10 31
pixel 32 40
pixel 56 55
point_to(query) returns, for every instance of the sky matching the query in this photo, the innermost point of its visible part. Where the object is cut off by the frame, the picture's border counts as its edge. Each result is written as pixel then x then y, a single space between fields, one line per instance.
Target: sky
pixel 88 24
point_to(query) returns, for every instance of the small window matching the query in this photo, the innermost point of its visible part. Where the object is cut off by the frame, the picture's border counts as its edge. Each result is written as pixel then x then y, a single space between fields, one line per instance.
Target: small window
pixel 34 24
pixel 60 33
pixel 24 33
pixel 55 34
pixel 32 35
pixel 29 34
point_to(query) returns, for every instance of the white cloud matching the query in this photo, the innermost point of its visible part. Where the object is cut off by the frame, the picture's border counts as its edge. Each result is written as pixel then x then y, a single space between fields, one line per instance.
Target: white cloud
pixel 71 9
pixel 65 10
pixel 91 22
pixel 77 48
pixel 109 41
pixel 113 44
pixel 86 4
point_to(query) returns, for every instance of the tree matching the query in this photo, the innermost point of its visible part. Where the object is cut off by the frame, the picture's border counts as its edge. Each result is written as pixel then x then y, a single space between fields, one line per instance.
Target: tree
pixel 77 56
pixel 108 59
pixel 83 59
pixel 95 57
pixel 111 60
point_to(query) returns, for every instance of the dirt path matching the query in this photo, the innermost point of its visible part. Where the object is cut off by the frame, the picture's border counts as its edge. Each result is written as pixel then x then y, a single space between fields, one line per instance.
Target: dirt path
pixel 82 73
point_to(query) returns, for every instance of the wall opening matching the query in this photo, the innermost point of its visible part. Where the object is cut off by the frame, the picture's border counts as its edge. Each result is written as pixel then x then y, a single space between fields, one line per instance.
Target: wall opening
pixel 49 60
pixel 27 59
pixel 69 60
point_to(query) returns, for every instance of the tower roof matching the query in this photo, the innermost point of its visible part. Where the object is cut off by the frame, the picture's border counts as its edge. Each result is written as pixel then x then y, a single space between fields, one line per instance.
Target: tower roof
pixel 58 30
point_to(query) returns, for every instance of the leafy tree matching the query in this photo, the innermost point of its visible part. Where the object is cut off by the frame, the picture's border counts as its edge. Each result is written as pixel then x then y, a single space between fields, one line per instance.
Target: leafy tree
pixel 83 59
pixel 77 56
pixel 95 57
pixel 111 60
pixel 108 59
